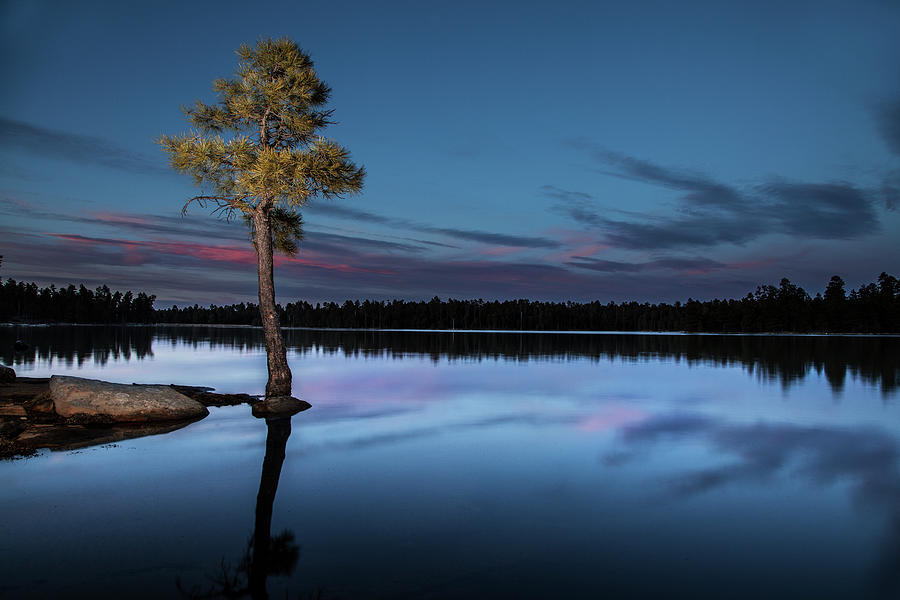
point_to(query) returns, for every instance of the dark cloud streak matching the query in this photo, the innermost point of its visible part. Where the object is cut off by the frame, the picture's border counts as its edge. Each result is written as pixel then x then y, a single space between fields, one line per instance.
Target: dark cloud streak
pixel 82 149
pixel 888 119
pixel 472 235
pixel 676 264
pixel 710 212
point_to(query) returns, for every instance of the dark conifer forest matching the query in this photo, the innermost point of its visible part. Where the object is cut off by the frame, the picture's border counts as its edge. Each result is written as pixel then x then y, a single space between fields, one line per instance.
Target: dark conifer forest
pixel 871 308
pixel 26 302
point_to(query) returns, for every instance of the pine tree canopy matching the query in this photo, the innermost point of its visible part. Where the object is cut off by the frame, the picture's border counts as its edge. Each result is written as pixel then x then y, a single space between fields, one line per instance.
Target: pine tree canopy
pixel 258 150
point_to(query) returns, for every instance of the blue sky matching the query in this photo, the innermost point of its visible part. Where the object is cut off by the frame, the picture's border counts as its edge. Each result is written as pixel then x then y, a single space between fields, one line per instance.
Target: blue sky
pixel 567 151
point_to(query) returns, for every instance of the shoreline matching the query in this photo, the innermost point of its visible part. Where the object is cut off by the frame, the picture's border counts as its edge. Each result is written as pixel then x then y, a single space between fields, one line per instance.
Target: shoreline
pixel 29 421
pixel 478 331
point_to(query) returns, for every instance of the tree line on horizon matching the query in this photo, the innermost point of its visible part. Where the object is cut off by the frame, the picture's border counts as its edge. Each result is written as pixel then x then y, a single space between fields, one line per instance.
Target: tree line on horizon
pixel 27 302
pixel 871 308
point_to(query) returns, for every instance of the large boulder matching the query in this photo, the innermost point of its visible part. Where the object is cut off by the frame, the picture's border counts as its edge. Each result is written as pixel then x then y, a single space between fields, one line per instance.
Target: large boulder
pixel 90 400
pixel 7 375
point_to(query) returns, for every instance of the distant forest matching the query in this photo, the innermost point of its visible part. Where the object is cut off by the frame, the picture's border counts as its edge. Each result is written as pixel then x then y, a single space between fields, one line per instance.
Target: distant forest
pixel 872 308
pixel 26 302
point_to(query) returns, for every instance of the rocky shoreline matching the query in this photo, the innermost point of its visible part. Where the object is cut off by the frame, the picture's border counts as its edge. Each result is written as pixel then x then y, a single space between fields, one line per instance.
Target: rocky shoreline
pixel 65 413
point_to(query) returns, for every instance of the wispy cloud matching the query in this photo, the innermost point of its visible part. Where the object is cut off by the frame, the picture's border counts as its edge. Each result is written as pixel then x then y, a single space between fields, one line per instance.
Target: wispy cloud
pixel 831 211
pixel 710 212
pixel 80 149
pixel 193 227
pixel 888 120
pixel 222 272
pixel 218 270
pixel 686 265
pixel 471 235
pixel 322 241
pixel 486 237
pixel 887 116
pixel 242 255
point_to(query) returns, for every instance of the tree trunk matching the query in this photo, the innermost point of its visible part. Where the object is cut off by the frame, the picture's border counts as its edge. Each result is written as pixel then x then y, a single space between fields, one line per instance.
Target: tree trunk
pixel 279 382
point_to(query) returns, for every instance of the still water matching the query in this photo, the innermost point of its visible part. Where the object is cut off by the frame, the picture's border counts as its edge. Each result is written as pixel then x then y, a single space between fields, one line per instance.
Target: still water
pixel 496 465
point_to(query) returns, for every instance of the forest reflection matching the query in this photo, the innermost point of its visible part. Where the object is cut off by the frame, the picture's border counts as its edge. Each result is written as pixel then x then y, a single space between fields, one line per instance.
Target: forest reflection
pixel 785 359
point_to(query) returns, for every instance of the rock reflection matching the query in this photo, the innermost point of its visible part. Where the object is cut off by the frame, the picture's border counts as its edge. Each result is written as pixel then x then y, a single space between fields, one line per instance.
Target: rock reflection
pixel 265 554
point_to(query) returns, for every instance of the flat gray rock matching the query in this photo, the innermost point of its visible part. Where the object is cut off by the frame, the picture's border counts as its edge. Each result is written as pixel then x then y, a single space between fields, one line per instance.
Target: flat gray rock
pixel 94 400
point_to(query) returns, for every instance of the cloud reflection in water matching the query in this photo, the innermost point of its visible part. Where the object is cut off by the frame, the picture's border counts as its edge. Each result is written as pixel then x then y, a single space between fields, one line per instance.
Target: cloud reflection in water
pixel 867 458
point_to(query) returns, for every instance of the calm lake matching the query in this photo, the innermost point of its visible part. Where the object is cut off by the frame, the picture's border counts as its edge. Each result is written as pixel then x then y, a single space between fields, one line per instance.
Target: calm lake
pixel 496 465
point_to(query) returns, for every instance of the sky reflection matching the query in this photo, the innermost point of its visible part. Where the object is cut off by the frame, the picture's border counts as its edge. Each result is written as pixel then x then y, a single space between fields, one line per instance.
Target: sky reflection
pixel 530 475
pixel 867 459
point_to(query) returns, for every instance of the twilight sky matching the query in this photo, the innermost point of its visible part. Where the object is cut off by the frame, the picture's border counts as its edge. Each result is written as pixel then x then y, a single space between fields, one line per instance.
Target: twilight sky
pixel 644 151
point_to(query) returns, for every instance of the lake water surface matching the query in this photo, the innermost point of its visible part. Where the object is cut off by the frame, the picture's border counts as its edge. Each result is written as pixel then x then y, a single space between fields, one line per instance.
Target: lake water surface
pixel 496 465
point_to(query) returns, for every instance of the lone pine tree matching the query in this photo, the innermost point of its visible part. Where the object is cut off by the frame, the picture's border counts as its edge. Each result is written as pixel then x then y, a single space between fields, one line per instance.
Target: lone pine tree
pixel 257 154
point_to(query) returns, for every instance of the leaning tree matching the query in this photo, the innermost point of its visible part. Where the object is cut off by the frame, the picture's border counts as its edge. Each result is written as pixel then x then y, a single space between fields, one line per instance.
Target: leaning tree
pixel 257 154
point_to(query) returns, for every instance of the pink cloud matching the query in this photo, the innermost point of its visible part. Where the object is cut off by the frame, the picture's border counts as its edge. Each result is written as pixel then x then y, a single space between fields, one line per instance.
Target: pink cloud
pixel 132 250
pixel 579 243
pixel 500 251
pixel 17 203
pixel 322 263
pixel 108 217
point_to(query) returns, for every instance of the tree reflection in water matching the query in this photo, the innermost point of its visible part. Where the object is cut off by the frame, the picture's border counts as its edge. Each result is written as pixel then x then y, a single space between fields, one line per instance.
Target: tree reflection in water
pixel 264 555
pixel 278 555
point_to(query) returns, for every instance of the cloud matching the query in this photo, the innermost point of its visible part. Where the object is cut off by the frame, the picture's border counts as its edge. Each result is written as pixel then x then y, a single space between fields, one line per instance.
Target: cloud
pixel 188 226
pixel 890 190
pixel 178 272
pixel 831 211
pixel 193 227
pixel 689 265
pixel 683 232
pixel 344 212
pixel 710 212
pixel 887 117
pixel 486 237
pixel 699 189
pixel 888 120
pixel 179 259
pixel 144 248
pixel 332 268
pixel 577 205
pixel 471 235
pixel 82 149
pixel 138 251
pixel 318 240
pixel 206 227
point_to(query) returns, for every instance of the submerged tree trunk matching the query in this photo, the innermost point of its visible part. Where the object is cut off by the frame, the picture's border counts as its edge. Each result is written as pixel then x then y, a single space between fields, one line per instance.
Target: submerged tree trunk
pixel 279 382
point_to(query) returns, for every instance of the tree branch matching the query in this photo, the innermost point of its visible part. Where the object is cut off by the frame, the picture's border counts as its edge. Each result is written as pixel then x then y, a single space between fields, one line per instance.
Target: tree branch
pixel 224 204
